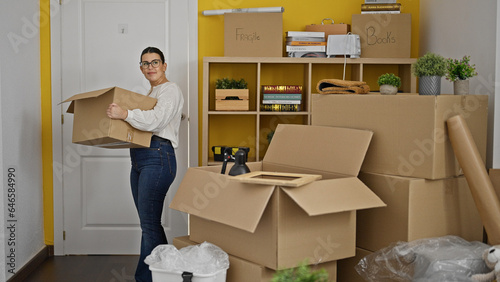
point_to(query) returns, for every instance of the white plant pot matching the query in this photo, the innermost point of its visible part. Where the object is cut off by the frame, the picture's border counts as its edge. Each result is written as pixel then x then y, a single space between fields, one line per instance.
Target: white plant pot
pixel 387 89
pixel 461 87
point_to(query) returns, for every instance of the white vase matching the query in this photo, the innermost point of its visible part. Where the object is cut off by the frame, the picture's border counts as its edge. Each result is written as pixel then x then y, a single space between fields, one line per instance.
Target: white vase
pixel 387 89
pixel 461 87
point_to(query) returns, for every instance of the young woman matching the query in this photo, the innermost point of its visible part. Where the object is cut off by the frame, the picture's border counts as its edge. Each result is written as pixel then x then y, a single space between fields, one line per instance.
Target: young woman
pixel 154 168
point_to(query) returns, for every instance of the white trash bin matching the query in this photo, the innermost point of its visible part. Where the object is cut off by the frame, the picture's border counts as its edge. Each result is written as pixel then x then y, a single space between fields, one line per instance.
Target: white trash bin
pixel 198 263
pixel 161 275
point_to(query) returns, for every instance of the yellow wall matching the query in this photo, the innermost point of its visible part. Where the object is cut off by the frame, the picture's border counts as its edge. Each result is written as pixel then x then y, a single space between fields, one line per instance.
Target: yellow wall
pixel 297 15
pixel 48 205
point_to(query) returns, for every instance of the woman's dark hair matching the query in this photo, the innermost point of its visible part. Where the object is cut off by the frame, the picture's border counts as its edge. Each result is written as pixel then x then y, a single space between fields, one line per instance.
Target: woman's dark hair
pixel 153 50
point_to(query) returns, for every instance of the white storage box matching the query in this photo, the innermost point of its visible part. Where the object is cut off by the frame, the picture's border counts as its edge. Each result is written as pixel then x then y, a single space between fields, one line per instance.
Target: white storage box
pixel 161 275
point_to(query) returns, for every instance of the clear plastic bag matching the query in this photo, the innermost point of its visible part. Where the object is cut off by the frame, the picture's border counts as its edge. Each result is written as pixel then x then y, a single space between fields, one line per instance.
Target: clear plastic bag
pixel 448 258
pixel 205 258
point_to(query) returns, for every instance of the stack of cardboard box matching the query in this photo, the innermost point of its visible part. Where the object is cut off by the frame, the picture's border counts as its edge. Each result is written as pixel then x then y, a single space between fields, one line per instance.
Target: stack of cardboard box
pixel 266 227
pixel 410 165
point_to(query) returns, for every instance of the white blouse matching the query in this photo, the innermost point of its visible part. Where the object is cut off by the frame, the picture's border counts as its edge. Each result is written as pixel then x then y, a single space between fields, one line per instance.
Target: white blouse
pixel 165 118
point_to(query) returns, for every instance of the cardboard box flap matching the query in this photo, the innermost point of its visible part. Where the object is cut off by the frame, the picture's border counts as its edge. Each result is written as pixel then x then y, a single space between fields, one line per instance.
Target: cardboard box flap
pixel 320 148
pixel 216 197
pixel 333 196
pixel 91 94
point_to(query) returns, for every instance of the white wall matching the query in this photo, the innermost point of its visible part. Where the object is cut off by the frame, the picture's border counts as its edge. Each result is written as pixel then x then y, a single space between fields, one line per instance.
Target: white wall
pixel 496 119
pixel 2 201
pixel 454 28
pixel 20 128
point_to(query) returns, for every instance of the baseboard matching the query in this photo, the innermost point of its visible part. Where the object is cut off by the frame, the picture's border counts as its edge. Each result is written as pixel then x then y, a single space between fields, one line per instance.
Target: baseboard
pixel 33 264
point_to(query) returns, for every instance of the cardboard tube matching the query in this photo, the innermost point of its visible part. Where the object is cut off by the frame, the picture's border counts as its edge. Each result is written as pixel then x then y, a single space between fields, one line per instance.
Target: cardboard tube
pixel 244 10
pixel 477 177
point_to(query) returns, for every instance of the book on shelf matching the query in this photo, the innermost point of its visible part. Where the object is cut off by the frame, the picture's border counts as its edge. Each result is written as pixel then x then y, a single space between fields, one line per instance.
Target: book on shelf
pixel 280 107
pixel 381 7
pixel 285 89
pixel 306 48
pixel 280 101
pixel 306 39
pixel 282 96
pixel 306 54
pixel 306 43
pixel 380 12
pixel 379 1
pixel 305 34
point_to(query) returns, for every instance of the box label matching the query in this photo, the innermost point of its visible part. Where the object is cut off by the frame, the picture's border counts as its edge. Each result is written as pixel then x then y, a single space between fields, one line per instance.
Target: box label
pixel 253 34
pixel 383 35
pixel 242 34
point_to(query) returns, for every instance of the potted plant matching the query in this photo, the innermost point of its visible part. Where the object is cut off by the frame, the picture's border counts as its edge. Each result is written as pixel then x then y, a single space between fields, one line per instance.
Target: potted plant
pixel 302 273
pixel 231 94
pixel 459 72
pixel 226 83
pixel 429 69
pixel 389 83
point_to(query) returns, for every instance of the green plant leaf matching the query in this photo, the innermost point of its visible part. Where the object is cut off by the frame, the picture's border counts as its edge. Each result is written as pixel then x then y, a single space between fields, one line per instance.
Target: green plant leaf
pixel 226 83
pixel 302 273
pixel 460 69
pixel 390 79
pixel 429 64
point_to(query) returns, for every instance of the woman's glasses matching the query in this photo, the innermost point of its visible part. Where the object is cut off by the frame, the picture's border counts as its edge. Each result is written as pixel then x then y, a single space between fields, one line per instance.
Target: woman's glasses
pixel 155 63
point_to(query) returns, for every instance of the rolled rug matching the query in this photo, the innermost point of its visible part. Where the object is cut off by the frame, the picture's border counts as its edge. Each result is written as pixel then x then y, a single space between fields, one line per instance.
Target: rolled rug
pixel 339 86
pixel 474 168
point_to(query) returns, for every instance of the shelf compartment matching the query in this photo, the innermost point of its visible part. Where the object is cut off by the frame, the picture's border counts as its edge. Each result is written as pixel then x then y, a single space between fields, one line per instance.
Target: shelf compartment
pixel 268 123
pixel 285 74
pixel 232 130
pixel 246 71
pixel 328 71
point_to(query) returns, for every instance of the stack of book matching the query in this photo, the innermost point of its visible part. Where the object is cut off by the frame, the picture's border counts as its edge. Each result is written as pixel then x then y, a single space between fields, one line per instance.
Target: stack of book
pixel 281 98
pixel 306 44
pixel 381 8
pixel 379 1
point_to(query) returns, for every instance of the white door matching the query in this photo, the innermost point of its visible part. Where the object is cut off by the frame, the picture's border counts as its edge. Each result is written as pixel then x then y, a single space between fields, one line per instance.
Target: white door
pixel 101 42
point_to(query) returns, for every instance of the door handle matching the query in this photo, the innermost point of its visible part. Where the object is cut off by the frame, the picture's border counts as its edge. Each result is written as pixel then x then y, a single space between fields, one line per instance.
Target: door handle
pixel 183 116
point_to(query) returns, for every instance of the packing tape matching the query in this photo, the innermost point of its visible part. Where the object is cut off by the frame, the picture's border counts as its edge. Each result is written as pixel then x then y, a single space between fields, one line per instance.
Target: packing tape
pixel 130 135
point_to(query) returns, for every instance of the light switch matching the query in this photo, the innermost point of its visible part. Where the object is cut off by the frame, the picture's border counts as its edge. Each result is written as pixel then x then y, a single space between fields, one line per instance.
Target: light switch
pixel 123 28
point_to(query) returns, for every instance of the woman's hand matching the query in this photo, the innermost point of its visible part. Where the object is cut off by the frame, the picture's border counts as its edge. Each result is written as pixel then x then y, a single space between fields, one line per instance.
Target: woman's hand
pixel 116 112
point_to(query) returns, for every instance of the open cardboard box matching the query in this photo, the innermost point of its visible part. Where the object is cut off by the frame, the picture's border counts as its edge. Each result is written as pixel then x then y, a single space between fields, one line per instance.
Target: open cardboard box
pixel 278 226
pixel 91 125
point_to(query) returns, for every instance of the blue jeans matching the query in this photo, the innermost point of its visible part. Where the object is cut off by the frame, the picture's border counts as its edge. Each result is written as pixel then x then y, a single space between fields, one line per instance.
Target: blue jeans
pixel 153 170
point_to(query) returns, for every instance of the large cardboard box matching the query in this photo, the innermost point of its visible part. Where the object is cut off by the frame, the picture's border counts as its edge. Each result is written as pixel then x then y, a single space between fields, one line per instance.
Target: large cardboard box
pixel 91 125
pixel 410 135
pixel 241 270
pixel 278 226
pixel 494 174
pixel 383 35
pixel 253 35
pixel 346 271
pixel 417 208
